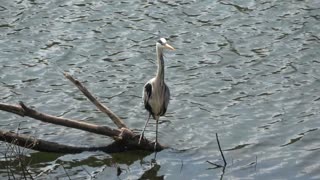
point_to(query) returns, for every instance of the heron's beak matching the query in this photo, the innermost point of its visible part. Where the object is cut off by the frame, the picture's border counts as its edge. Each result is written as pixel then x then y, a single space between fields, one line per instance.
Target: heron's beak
pixel 169 47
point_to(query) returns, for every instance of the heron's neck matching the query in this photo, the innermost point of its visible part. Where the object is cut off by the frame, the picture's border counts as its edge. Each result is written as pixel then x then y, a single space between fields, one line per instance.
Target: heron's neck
pixel 160 71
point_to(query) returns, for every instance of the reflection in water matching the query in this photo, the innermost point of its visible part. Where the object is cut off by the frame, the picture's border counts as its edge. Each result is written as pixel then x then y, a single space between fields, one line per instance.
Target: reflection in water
pixel 129 158
pixel 152 172
pixel 217 166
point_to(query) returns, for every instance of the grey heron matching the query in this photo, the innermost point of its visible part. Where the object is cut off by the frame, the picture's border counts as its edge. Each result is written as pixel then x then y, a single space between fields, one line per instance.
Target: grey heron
pixel 156 94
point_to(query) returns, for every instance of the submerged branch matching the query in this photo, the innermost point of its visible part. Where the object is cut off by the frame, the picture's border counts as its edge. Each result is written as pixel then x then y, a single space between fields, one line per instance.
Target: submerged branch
pixel 47 146
pixel 37 144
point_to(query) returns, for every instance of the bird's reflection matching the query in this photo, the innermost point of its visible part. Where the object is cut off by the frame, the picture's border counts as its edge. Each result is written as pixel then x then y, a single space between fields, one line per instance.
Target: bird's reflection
pixel 152 172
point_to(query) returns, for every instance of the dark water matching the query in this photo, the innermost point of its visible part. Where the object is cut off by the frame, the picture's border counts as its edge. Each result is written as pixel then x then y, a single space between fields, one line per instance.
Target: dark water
pixel 248 70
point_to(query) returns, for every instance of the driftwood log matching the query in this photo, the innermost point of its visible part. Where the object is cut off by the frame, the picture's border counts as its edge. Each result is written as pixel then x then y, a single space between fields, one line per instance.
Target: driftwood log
pixel 124 138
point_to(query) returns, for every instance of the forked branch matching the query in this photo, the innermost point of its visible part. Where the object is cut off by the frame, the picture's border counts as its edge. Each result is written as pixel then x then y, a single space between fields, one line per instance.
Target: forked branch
pixel 124 138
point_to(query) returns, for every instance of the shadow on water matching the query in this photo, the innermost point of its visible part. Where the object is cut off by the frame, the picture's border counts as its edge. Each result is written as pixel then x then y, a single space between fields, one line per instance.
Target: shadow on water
pixel 129 158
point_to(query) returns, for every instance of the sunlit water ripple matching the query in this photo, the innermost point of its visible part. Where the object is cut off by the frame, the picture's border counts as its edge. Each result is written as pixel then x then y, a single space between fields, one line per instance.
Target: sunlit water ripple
pixel 248 70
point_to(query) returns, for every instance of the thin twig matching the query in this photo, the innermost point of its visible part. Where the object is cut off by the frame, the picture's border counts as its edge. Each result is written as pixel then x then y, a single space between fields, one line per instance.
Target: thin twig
pixel 224 160
pixel 215 164
pixel 181 167
pixel 255 166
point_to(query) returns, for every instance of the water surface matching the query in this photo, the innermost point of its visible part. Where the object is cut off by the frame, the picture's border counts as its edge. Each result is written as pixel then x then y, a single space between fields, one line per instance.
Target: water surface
pixel 247 70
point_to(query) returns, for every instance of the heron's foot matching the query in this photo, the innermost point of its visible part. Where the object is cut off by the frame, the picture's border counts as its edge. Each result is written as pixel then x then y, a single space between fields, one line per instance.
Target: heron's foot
pixel 141 136
pixel 155 145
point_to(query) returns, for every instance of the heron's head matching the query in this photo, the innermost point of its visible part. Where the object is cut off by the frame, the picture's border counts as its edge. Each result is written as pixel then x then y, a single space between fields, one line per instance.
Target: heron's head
pixel 162 43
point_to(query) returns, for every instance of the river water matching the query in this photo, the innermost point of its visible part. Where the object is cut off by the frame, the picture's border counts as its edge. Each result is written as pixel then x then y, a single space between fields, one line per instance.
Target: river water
pixel 247 70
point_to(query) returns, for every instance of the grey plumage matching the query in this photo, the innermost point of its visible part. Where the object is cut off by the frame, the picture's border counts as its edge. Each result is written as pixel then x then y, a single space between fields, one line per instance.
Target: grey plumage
pixel 156 94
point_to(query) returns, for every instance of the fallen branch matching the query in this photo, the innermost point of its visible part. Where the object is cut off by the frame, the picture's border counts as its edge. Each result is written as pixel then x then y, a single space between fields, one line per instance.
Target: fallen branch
pixel 23 110
pixel 36 144
pixel 116 119
pixel 47 146
pixel 124 138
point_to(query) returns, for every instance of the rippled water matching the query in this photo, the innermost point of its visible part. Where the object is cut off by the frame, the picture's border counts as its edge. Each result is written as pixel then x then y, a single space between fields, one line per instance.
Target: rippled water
pixel 248 70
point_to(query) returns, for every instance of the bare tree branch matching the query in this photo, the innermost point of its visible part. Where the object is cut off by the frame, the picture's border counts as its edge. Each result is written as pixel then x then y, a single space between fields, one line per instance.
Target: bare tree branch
pixel 116 119
pixel 23 110
pixel 12 109
pixel 124 138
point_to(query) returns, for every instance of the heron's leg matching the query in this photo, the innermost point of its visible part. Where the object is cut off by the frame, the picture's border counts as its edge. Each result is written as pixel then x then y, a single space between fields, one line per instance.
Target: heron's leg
pixel 155 144
pixel 144 128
